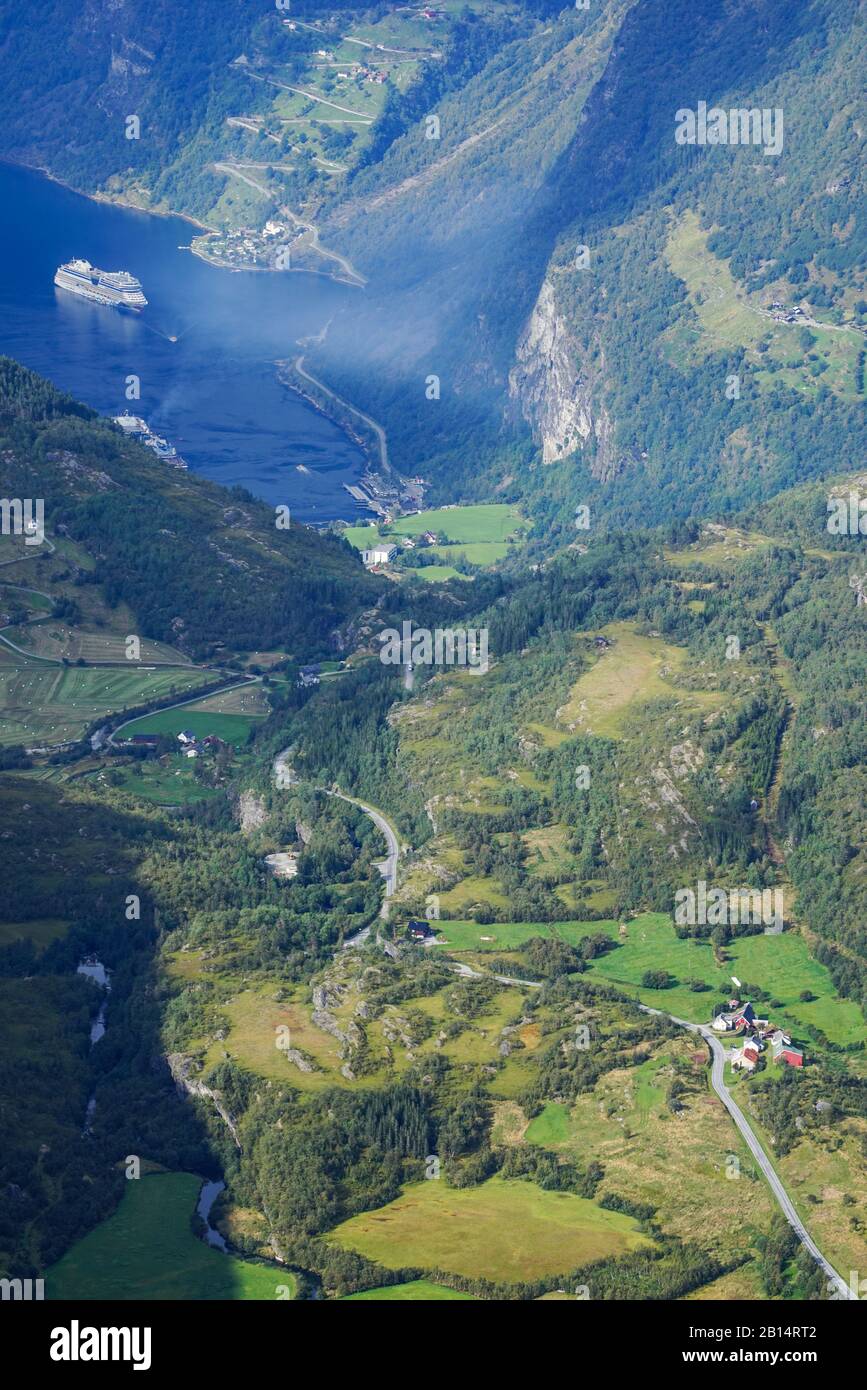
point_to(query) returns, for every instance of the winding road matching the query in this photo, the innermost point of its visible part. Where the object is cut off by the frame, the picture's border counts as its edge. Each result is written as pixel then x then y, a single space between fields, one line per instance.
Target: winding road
pixel 783 1199
pixel 284 777
pixel 298 364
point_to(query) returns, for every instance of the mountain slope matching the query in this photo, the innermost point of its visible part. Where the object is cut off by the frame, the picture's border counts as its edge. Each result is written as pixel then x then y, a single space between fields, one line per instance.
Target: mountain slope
pixel 649 374
pixel 203 569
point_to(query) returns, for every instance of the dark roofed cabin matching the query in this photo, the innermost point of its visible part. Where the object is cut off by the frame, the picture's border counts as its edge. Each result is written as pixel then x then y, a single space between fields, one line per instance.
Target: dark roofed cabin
pixel 417 930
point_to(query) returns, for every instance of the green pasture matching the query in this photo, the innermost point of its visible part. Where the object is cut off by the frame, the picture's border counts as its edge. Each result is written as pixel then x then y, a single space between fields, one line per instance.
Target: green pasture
pixel 147 1250
pixel 505 1230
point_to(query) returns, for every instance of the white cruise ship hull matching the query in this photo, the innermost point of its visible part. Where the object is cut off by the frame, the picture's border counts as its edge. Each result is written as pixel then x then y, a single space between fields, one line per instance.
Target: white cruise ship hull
pixel 100 293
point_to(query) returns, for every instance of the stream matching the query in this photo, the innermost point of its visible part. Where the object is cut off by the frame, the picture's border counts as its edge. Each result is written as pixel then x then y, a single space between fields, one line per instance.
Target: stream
pixel 207 1197
pixel 95 971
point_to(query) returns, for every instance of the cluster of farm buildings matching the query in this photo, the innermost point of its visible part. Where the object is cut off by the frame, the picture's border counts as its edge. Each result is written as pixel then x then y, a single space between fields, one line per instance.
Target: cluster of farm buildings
pixel 758 1034
pixel 191 745
pixel 384 551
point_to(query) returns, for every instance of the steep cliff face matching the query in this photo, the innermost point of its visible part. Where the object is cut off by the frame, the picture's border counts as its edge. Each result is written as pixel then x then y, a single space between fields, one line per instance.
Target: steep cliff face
pixel 557 389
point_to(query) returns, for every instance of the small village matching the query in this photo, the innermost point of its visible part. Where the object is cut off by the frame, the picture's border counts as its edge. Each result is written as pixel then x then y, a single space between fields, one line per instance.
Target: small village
pixel 246 248
pixel 782 313
pixel 758 1035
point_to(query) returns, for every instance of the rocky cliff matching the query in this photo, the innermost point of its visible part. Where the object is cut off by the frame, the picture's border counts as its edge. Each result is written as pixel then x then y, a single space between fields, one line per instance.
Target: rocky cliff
pixel 557 389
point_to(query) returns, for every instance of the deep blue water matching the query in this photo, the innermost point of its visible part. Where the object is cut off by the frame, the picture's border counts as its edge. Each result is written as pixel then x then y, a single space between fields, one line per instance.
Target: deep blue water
pixel 214 392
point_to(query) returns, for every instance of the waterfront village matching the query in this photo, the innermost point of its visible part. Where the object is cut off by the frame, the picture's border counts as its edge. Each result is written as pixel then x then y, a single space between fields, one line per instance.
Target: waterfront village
pixel 250 248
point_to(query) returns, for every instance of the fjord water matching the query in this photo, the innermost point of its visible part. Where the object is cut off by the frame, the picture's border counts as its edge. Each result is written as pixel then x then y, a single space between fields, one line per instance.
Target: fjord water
pixel 213 392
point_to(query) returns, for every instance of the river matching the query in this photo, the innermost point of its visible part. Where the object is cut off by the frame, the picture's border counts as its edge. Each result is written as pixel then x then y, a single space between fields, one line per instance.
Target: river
pixel 213 392
pixel 93 969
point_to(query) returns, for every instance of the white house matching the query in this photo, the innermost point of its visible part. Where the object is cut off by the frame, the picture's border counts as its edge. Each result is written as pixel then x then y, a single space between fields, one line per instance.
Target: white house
pixel 722 1023
pixel 378 555
pixel 746 1059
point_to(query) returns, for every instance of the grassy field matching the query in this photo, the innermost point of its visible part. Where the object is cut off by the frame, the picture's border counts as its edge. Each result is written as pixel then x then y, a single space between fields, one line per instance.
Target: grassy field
pixel 473 890
pixel 742 1284
pixel 244 699
pixel 551 1127
pixel 508 936
pixel 147 1250
pixel 502 1230
pixel 488 521
pixel 628 674
pixel 232 728
pixel 362 537
pixel 674 1162
pixel 32 599
pixel 55 640
pixel 819 1174
pixel 417 1291
pixel 438 574
pixel 477 552
pixel 256 1020
pixel 42 703
pixel 725 545
pixel 780 965
pixel 41 931
pixel 174 785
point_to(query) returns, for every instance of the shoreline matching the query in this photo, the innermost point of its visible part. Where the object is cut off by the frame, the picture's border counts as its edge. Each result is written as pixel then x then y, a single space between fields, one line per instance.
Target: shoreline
pixel 327 415
pixel 289 369
pixel 316 404
pixel 103 198
pixel 107 200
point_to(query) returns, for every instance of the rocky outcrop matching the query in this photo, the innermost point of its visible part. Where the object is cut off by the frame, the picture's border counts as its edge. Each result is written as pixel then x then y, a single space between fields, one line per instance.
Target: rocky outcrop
pixel 251 811
pixel 181 1068
pixel 557 390
pixel 298 1059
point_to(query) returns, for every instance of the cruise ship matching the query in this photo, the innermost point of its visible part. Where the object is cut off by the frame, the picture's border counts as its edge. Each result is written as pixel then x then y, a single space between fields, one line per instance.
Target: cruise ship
pixel 137 428
pixel 114 287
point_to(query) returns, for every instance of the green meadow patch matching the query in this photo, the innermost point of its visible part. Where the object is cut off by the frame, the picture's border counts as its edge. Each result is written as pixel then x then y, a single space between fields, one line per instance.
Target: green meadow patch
pixel 147 1250
pixel 780 965
pixel 416 1291
pixel 504 1230
pixel 632 671
pixel 437 574
pixel 476 552
pixel 551 1127
pixel 231 728
pixel 41 931
pixel 510 936
pixel 174 785
pixel 489 521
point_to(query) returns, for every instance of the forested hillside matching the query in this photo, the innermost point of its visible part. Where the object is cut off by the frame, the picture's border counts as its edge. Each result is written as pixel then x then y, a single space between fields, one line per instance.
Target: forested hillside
pixel 202 569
